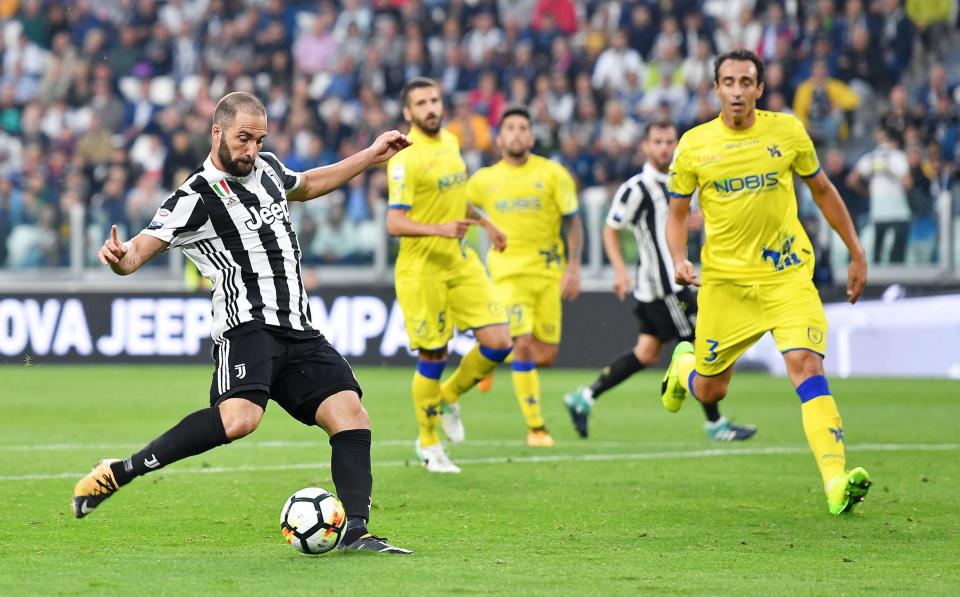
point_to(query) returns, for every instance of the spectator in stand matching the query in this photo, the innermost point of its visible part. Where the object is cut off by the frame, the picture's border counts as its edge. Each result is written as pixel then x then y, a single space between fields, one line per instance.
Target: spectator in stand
pixel 486 99
pixel 610 72
pixel 902 116
pixel 942 126
pixel 484 38
pixel 314 52
pixel 838 170
pixel 698 66
pixel 887 172
pixel 937 86
pixel 467 122
pixel 896 36
pixel 822 103
pixel 858 62
pixel 920 195
pixel 775 29
pixel 562 12
pixel 641 27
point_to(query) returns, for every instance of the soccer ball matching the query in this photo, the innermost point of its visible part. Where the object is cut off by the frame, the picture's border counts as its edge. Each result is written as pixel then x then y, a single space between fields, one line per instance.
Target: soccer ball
pixel 313 520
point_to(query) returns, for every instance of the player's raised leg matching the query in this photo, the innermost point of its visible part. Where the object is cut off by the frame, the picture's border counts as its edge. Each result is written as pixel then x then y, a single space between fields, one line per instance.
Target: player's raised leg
pixel 580 402
pixel 824 430
pixel 493 346
pixel 346 421
pixel 198 432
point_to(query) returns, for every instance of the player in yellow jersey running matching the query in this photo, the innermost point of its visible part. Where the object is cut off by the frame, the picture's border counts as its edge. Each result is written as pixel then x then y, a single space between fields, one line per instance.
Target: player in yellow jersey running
pixel 440 282
pixel 757 262
pixel 532 200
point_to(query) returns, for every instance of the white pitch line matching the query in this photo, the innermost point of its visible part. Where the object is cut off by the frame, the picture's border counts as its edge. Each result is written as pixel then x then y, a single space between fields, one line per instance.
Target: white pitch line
pixel 304 444
pixel 713 453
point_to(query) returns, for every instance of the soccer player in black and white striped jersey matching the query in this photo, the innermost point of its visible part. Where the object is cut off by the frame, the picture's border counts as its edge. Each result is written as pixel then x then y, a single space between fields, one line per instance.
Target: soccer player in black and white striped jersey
pixel 666 311
pixel 230 217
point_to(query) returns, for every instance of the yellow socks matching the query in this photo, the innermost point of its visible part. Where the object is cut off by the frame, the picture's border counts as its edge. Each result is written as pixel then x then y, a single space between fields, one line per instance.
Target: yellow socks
pixel 526 384
pixel 474 366
pixel 822 425
pixel 426 400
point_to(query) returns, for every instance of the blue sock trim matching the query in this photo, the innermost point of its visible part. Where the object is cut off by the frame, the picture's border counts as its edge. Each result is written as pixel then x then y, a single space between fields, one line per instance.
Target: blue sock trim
pixel 523 366
pixel 431 369
pixel 495 354
pixel 813 387
pixel 690 383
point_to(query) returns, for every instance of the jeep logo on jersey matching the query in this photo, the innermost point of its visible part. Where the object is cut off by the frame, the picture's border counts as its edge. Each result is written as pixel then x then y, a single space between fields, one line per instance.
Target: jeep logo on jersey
pixel 267 215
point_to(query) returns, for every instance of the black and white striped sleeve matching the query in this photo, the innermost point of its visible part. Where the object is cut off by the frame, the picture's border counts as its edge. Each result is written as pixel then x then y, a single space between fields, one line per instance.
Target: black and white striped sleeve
pixel 289 178
pixel 182 219
pixel 626 202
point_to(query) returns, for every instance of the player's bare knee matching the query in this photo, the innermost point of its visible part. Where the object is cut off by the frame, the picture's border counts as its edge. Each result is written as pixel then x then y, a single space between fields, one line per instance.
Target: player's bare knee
pixel 496 337
pixel 712 391
pixel 646 355
pixel 358 417
pixel 240 418
pixel 802 365
pixel 547 359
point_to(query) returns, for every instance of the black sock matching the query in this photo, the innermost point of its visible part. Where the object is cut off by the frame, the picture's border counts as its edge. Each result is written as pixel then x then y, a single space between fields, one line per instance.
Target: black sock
pixel 712 411
pixel 356 528
pixel 350 465
pixel 196 433
pixel 621 368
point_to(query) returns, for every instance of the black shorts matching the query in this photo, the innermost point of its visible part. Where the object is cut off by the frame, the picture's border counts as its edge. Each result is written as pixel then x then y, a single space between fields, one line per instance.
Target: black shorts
pixel 296 372
pixel 670 318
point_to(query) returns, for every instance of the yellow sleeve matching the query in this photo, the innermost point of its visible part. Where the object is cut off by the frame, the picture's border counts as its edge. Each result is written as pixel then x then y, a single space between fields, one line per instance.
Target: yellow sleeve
pixel 565 191
pixel 401 182
pixel 806 164
pixel 683 178
pixel 843 96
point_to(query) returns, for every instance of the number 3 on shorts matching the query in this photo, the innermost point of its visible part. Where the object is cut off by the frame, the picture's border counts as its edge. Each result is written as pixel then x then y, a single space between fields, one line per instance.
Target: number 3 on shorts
pixel 712 351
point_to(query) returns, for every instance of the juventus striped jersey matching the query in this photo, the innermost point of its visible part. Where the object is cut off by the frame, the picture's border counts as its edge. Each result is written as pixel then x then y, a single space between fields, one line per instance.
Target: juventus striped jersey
pixel 641 204
pixel 237 231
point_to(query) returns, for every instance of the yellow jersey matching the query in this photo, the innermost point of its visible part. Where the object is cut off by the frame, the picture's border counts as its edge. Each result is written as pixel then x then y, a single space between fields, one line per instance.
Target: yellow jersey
pixel 528 203
pixel 745 180
pixel 427 179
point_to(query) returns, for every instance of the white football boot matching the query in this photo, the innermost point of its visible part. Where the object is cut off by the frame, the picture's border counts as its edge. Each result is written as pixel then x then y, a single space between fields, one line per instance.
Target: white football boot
pixel 435 459
pixel 452 422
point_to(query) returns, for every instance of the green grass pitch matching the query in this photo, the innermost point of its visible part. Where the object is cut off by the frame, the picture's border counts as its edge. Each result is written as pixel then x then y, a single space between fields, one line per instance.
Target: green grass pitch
pixel 646 505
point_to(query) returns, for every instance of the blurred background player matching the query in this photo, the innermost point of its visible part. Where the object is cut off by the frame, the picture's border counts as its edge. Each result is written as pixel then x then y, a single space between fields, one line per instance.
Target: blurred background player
pixel 533 200
pixel 440 282
pixel 757 262
pixel 666 311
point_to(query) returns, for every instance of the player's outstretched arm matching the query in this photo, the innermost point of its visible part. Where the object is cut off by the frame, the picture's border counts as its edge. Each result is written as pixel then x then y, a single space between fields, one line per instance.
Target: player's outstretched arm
pixel 611 246
pixel 320 181
pixel 827 198
pixel 685 274
pixel 573 234
pixel 497 238
pixel 400 224
pixel 126 257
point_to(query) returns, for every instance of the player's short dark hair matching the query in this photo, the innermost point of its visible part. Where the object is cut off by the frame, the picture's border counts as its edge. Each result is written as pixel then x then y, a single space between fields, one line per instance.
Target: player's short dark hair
pixel 659 124
pixel 515 111
pixel 415 83
pixel 238 101
pixel 738 56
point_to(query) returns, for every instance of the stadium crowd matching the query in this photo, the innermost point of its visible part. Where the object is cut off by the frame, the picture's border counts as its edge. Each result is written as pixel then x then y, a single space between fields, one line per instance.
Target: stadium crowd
pixel 107 104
